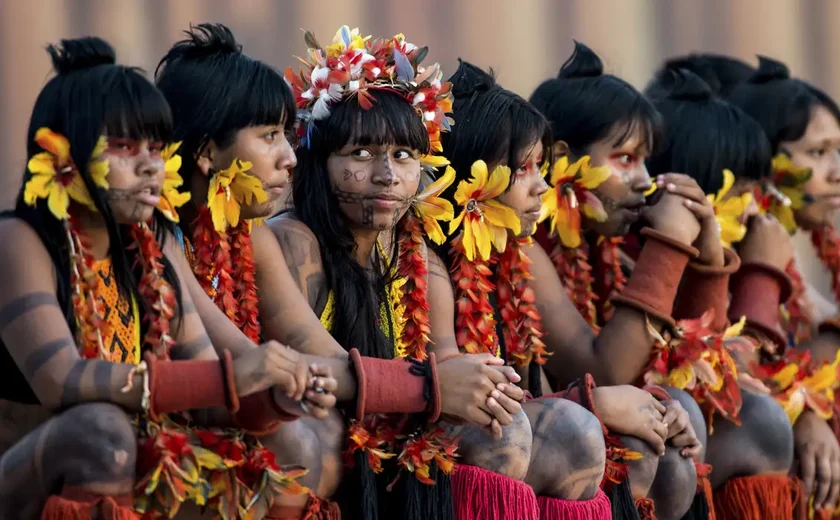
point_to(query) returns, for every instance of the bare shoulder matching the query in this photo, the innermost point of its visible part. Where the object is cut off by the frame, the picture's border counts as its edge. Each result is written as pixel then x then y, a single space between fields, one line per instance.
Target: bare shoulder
pixel 435 264
pixel 298 242
pixel 22 247
pixel 541 262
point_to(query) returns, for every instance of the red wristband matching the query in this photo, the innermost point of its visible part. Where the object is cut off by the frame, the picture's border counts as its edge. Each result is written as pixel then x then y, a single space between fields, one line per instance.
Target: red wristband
pixel 706 287
pixel 757 291
pixel 259 414
pixel 392 386
pixel 178 386
pixel 656 277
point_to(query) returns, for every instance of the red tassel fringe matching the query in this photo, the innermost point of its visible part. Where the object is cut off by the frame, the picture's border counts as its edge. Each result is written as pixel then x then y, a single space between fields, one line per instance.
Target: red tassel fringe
pixel 479 494
pixel 757 498
pixel 596 508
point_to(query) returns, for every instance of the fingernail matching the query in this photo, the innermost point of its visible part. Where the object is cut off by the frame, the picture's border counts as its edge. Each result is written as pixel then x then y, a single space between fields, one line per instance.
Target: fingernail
pixel 672 187
pixel 319 382
pixel 495 394
pixel 689 203
pixel 491 401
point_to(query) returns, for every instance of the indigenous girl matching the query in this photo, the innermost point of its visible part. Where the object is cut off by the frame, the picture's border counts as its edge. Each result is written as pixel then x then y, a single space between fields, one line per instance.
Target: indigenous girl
pixel 491 274
pixel 710 139
pixel 620 138
pixel 801 123
pixel 101 342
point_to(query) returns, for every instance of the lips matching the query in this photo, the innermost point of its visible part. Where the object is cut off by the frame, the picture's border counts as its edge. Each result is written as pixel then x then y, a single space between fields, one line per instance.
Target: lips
pixel 149 195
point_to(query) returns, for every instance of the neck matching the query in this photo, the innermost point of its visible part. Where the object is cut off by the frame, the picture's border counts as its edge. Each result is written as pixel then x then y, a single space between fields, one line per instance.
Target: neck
pixel 199 185
pixel 94 227
pixel 365 244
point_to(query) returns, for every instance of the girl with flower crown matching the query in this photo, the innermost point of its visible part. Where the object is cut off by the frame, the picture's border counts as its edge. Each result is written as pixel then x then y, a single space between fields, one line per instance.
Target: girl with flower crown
pixel 103 351
pixel 371 115
pixel 492 272
pixel 800 190
pixel 592 265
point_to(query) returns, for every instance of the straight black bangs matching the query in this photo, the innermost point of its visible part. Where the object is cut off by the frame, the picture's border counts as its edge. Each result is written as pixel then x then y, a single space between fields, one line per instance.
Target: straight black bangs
pixel 390 121
pixel 135 109
pixel 704 137
pixel 585 110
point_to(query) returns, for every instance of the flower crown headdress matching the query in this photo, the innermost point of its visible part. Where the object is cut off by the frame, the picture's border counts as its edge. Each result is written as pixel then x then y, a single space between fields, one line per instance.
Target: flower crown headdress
pixel 354 65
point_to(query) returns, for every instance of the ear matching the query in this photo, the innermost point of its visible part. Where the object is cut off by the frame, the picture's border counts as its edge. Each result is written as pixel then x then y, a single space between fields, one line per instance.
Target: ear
pixel 204 162
pixel 560 149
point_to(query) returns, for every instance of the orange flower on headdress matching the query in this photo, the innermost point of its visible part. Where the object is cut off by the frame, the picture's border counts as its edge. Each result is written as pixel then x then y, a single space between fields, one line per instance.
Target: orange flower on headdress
pixel 170 197
pixel 485 219
pixel 572 191
pixel 229 189
pixel 431 208
pixel 56 178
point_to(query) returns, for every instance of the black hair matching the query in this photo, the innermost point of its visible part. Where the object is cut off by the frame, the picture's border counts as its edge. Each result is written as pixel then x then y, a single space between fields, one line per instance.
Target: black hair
pixel 703 134
pixel 215 90
pixel 492 124
pixel 391 120
pixel 721 73
pixel 91 96
pixel 583 105
pixel 782 105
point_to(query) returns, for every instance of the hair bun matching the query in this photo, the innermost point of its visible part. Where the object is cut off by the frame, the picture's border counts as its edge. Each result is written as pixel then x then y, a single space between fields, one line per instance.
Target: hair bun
pixel 682 85
pixel 583 63
pixel 770 70
pixel 210 38
pixel 469 79
pixel 81 53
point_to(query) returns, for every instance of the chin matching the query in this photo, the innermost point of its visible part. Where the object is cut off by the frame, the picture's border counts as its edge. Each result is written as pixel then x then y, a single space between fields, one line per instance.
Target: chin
pixel 264 210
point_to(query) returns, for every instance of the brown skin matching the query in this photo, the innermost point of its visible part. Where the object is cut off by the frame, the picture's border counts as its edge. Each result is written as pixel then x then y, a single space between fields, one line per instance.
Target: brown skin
pixel 89 391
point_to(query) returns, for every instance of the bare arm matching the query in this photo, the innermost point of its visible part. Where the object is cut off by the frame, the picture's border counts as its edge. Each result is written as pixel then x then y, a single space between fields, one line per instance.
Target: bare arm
pixel 35 332
pixel 442 309
pixel 615 356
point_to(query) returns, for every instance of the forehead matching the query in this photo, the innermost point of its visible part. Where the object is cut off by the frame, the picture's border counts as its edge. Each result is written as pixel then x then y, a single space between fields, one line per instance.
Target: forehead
pixel 822 127
pixel 619 138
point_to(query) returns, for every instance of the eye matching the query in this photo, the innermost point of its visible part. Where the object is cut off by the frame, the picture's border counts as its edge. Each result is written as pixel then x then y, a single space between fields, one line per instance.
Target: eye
pixel 816 153
pixel 361 153
pixel 271 136
pixel 624 159
pixel 155 148
pixel 119 145
pixel 403 155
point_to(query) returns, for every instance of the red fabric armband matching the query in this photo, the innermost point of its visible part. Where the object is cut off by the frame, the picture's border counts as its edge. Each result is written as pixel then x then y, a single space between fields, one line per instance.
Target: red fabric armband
pixel 757 291
pixel 706 287
pixel 178 386
pixel 395 386
pixel 656 277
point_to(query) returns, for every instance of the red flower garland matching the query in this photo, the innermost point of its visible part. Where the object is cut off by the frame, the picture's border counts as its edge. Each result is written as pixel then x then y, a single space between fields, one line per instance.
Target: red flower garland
pixel 521 322
pixel 87 307
pixel 474 323
pixel 213 262
pixel 412 267
pixel 611 273
pixel 242 259
pixel 827 244
pixel 157 293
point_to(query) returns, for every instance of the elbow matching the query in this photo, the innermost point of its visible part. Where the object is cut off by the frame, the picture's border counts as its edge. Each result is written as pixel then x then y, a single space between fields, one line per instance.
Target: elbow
pixel 56 391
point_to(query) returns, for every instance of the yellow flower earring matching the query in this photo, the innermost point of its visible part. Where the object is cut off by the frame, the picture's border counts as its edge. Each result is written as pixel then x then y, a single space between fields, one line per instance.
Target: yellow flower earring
pixel 55 177
pixel 229 189
pixel 171 198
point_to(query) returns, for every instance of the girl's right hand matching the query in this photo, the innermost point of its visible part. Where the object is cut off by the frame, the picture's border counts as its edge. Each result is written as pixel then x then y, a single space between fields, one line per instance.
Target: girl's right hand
pixel 272 365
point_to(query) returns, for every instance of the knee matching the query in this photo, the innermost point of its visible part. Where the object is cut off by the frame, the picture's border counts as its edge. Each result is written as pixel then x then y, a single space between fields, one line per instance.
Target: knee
pixel 642 472
pixel 674 487
pixel 568 453
pixel 93 443
pixel 509 456
pixel 296 444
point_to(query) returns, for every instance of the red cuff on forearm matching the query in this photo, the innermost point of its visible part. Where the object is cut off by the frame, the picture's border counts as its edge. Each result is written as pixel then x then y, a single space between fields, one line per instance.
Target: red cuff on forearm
pixel 656 277
pixel 390 386
pixel 259 415
pixel 178 386
pixel 658 392
pixel 706 287
pixel 757 291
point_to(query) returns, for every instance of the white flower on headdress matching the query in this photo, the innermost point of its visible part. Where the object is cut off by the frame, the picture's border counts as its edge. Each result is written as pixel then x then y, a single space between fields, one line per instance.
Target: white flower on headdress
pixel 323 91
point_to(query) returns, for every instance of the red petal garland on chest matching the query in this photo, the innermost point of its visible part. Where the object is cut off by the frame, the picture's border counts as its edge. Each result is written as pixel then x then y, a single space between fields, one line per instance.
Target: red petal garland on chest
pixel 412 267
pixel 827 244
pixel 475 325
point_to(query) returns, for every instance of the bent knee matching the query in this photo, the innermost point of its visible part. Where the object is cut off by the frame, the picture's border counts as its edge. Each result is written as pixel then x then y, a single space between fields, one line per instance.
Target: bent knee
pixel 762 444
pixel 695 416
pixel 509 456
pixel 674 487
pixel 296 444
pixel 642 472
pixel 93 442
pixel 568 453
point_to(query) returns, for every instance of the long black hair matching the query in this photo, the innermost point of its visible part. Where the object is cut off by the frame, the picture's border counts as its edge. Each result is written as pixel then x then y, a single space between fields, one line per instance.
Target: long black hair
pixel 782 105
pixel 703 134
pixel 91 96
pixel 584 105
pixel 391 120
pixel 215 90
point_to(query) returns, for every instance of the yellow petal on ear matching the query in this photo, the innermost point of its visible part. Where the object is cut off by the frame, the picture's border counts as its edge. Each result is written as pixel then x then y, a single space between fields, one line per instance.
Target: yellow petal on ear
pixel 498 183
pixel 499 238
pixel 78 192
pixel 574 168
pixel 594 177
pixel 216 204
pixel 731 231
pixel 456 222
pixel 728 182
pixel 436 208
pixel 434 161
pixel 500 215
pixel 37 187
pixel 464 192
pixel 173 165
pixel 41 164
pixel 479 173
pixel 56 144
pixel 99 149
pixel 481 233
pixel 232 213
pixel 439 186
pixel 549 204
pixel 58 201
pixel 468 241
pixel 169 150
pixel 558 171
pixel 433 230
pixel 99 173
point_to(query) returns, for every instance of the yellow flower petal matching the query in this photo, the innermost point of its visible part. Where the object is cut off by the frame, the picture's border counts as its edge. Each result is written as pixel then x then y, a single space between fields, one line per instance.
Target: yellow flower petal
pixel 481 234
pixel 440 185
pixel 434 161
pixel 785 377
pixel 558 171
pixel 455 223
pixel 498 183
pixel 500 215
pixel 468 241
pixel 549 205
pixel 56 144
pixel 433 230
pixel 594 177
pixel 78 192
pixel 42 164
pixel 99 149
pixel 58 201
pixel 98 171
pixel 650 190
pixel 479 173
pixel 499 236
pixel 728 182
pixel 37 187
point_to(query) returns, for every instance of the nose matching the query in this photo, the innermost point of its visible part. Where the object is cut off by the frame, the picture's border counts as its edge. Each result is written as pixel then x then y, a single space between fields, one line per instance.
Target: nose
pixel 149 165
pixel 834 168
pixel 541 186
pixel 383 172
pixel 287 159
pixel 640 180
